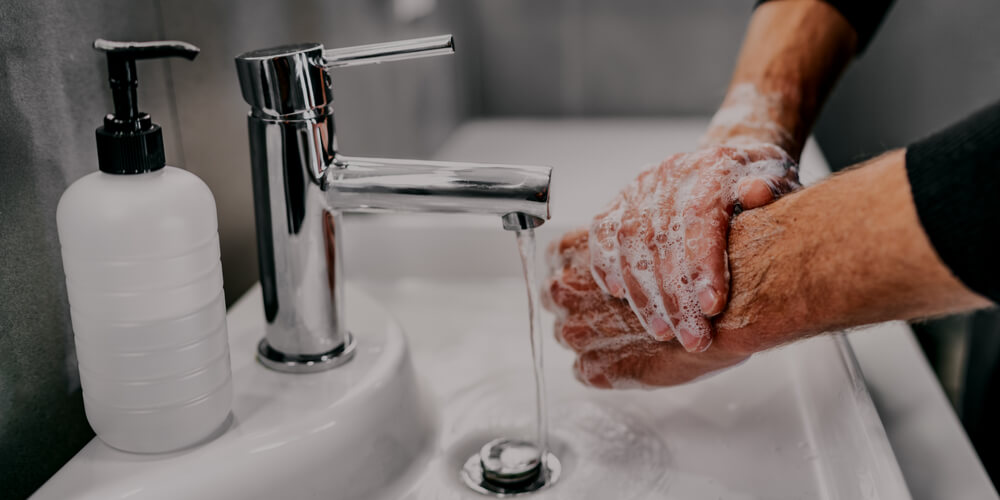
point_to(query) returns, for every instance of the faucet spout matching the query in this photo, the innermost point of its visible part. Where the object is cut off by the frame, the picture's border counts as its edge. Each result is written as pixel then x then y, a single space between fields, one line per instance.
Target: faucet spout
pixel 519 194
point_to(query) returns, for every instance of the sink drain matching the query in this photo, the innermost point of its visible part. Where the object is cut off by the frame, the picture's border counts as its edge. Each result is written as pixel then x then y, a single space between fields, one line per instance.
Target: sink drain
pixel 509 467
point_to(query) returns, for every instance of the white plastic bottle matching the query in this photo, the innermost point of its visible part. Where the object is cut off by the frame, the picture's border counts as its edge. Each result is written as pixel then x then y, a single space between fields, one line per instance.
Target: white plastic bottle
pixel 140 251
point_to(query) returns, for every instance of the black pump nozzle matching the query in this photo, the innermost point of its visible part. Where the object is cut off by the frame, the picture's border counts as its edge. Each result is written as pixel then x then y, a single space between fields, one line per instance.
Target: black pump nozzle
pixel 129 142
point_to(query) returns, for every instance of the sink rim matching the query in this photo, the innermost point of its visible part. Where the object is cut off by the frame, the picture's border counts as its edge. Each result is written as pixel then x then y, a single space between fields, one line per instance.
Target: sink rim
pixel 284 426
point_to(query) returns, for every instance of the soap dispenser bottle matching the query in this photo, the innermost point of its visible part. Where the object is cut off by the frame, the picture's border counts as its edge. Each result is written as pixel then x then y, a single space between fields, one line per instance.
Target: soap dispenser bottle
pixel 140 250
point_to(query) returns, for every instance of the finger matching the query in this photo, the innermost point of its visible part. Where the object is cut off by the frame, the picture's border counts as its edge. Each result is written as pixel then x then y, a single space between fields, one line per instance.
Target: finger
pixel 606 232
pixel 557 329
pixel 589 368
pixel 754 192
pixel 596 380
pixel 576 334
pixel 555 256
pixel 605 251
pixel 548 303
pixel 671 365
pixel 651 256
pixel 706 225
pixel 615 368
pixel 655 364
pixel 695 332
pixel 640 274
pixel 561 251
pixel 558 296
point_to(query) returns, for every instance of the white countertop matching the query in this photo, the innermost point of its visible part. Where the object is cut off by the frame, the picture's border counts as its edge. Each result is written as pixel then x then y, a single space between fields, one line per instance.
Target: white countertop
pixel 933 451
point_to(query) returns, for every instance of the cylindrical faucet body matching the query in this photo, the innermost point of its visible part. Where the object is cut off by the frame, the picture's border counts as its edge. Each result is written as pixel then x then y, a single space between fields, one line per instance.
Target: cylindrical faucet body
pixel 301 186
pixel 292 143
pixel 298 245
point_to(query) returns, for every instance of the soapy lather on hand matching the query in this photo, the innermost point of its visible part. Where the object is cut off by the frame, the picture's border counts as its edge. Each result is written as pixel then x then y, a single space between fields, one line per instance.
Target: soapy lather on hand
pixel 661 243
pixel 653 265
pixel 613 350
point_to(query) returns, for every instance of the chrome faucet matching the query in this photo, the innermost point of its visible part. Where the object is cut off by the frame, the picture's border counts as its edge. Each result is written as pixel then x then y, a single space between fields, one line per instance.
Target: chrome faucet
pixel 302 184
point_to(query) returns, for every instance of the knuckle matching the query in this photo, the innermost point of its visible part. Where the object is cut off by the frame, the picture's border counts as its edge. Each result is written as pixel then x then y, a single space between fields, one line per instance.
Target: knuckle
pixel 546 296
pixel 557 331
pixel 559 294
pixel 575 336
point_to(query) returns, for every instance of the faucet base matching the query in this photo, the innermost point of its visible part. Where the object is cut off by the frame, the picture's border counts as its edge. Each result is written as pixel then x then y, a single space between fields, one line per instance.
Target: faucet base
pixel 305 363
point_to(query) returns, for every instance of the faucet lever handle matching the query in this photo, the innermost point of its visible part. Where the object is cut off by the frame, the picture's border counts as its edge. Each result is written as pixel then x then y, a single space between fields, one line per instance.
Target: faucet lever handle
pixel 389 51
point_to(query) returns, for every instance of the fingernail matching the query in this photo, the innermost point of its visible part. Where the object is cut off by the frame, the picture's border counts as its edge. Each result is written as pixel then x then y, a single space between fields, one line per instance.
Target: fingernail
pixel 710 301
pixel 661 329
pixel 692 342
pixel 600 381
pixel 616 287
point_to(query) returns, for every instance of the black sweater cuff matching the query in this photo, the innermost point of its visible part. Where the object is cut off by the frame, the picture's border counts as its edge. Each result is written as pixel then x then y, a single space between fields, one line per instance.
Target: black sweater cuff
pixel 955 178
pixel 864 16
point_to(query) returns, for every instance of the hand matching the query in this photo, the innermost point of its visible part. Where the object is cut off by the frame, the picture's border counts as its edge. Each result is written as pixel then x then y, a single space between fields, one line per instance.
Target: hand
pixel 661 244
pixel 613 349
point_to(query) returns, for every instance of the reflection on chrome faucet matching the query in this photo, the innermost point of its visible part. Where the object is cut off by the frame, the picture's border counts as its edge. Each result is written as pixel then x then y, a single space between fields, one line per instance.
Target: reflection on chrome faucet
pixel 302 185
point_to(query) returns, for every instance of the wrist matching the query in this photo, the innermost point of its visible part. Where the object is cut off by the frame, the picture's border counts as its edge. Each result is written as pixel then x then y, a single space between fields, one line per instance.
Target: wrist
pixel 792 55
pixel 767 305
pixel 752 115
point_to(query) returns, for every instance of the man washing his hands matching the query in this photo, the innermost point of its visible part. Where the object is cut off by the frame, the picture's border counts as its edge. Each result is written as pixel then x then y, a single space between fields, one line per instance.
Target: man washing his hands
pixel 668 284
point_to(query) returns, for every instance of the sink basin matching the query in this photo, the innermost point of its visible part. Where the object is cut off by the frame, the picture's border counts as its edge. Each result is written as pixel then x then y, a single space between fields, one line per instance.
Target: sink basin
pixel 793 423
pixel 398 422
pixel 344 433
pixel 789 424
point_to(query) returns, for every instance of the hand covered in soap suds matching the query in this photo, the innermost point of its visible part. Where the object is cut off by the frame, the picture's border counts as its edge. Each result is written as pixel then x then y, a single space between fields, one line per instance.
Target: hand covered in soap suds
pixel 661 243
pixel 612 346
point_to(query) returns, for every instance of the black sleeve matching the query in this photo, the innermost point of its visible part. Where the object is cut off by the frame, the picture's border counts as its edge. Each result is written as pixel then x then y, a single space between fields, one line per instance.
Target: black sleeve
pixel 955 178
pixel 864 15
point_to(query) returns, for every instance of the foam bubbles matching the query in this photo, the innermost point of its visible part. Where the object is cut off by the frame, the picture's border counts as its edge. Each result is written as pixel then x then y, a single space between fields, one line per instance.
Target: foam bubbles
pixel 640 245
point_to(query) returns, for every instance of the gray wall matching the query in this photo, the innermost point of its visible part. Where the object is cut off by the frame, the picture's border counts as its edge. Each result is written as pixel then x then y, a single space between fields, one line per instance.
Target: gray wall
pixel 52 97
pixel 932 63
pixel 607 57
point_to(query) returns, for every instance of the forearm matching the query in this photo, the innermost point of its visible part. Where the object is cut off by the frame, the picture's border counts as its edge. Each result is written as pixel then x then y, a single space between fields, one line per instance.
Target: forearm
pixel 847 252
pixel 793 53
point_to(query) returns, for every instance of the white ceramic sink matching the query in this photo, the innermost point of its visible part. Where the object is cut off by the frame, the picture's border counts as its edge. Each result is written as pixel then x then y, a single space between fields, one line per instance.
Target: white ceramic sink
pixel 793 423
pixel 345 433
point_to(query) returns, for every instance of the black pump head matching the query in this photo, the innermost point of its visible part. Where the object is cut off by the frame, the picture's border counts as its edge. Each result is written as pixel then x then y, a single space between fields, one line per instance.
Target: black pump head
pixel 129 142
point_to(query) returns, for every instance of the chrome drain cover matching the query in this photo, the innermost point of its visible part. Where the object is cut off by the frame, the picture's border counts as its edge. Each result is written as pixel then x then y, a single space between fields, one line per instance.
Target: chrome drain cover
pixel 510 467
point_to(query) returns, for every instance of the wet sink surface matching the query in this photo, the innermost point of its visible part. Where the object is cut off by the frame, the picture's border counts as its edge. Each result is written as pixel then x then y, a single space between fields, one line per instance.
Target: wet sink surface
pixel 788 424
pixel 793 423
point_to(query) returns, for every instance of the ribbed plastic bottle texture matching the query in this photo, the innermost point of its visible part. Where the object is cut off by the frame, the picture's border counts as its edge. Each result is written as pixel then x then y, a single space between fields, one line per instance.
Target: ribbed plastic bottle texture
pixel 144 279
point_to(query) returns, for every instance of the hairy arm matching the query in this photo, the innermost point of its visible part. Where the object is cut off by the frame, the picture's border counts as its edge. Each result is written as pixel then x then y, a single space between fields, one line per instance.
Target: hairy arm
pixel 849 251
pixel 792 55
pixel 846 252
pixel 661 243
